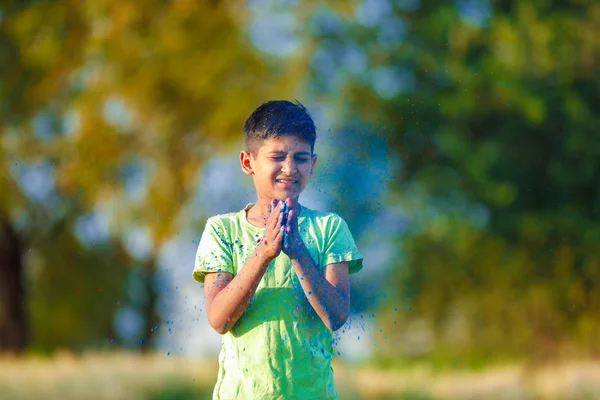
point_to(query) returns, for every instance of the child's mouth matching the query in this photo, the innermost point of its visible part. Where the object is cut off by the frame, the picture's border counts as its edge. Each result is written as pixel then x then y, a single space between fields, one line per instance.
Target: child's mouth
pixel 286 182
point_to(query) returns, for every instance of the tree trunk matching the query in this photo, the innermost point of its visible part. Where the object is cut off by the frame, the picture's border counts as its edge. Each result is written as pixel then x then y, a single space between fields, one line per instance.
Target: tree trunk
pixel 13 326
pixel 151 318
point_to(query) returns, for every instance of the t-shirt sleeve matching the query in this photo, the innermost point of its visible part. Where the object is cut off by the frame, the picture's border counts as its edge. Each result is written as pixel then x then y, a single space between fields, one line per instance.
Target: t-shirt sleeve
pixel 214 252
pixel 340 245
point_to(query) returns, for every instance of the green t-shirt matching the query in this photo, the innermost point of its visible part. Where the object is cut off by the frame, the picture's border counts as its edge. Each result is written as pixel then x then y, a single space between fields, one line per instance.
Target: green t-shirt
pixel 279 348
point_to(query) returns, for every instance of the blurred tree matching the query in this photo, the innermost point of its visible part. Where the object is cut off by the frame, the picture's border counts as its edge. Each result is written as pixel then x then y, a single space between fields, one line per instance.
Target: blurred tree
pixel 493 109
pixel 109 109
pixel 12 334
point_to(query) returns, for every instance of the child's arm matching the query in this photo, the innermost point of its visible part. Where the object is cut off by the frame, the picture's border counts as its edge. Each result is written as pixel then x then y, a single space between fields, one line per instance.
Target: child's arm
pixel 227 296
pixel 329 293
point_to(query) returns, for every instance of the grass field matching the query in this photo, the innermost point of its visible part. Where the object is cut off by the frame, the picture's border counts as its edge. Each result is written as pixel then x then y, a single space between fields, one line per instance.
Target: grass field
pixel 158 377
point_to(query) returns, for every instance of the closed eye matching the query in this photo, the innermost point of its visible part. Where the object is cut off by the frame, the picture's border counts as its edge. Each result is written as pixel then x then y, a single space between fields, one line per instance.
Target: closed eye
pixel 301 159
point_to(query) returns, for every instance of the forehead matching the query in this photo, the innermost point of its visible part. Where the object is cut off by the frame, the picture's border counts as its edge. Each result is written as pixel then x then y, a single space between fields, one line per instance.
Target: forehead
pixel 284 144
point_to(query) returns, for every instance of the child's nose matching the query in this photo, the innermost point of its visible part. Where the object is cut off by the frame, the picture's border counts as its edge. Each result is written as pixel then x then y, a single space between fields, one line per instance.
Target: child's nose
pixel 288 167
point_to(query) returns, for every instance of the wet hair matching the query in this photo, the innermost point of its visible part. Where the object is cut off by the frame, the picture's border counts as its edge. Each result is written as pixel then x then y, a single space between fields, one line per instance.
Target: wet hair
pixel 278 118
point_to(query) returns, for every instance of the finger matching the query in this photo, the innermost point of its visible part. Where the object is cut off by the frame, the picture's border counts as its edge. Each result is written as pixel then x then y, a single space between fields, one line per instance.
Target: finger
pixel 280 235
pixel 284 237
pixel 283 211
pixel 271 205
pixel 278 222
pixel 292 220
pixel 273 217
pixel 292 202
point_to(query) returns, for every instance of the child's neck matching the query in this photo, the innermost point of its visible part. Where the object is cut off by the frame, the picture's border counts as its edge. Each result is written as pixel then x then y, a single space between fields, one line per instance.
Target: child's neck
pixel 259 213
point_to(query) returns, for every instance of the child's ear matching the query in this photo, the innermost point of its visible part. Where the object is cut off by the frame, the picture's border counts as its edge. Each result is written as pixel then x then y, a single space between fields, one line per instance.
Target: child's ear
pixel 246 162
pixel 314 161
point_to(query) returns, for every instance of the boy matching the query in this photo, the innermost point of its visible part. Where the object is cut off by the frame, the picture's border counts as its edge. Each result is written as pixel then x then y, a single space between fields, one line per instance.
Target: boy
pixel 275 274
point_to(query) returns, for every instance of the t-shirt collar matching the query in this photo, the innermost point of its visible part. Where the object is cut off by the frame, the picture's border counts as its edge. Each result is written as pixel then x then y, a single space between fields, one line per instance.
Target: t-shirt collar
pixel 244 216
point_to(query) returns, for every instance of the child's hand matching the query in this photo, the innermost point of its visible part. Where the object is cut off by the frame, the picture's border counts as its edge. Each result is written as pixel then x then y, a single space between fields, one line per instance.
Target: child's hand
pixel 271 243
pixel 293 245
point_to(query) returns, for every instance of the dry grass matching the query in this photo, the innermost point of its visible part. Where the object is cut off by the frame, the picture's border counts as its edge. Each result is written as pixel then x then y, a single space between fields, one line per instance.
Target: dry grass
pixel 575 380
pixel 105 376
pixel 158 377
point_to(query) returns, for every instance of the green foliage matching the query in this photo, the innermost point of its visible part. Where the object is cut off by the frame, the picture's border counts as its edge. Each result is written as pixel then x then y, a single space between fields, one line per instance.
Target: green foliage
pixel 122 103
pixel 494 122
pixel 75 297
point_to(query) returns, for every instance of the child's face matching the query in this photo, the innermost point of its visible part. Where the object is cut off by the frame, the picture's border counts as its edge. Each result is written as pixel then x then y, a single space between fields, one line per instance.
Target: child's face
pixel 281 168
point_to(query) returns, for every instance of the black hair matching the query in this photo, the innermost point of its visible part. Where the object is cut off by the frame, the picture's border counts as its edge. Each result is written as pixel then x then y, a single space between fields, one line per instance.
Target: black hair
pixel 278 118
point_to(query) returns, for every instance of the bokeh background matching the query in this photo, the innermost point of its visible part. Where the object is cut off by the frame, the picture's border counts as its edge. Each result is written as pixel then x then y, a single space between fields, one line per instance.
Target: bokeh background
pixel 459 140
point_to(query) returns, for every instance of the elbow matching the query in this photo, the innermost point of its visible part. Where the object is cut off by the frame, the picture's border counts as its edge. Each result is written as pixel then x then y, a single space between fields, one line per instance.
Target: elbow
pixel 220 328
pixel 336 323
pixel 338 318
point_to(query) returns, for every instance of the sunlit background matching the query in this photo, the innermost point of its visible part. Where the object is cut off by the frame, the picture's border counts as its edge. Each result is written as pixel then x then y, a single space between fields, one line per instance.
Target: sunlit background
pixel 458 139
